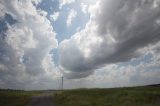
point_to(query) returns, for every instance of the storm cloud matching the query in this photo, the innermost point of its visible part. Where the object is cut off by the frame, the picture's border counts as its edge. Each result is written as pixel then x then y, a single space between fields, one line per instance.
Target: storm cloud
pixel 118 31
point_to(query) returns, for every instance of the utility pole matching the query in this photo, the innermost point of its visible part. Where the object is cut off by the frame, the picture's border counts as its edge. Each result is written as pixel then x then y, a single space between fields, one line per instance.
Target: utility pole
pixel 62 82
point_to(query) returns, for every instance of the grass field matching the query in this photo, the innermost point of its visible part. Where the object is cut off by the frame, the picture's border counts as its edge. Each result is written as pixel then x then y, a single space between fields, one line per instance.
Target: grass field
pixel 15 97
pixel 135 96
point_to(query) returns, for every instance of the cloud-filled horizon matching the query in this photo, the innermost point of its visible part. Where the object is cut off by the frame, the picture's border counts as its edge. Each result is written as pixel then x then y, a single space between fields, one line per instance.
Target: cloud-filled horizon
pixel 94 43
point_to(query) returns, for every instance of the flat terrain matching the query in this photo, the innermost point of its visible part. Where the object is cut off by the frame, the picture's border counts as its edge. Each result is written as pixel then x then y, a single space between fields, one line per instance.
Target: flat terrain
pixel 44 99
pixel 26 98
pixel 15 97
pixel 134 96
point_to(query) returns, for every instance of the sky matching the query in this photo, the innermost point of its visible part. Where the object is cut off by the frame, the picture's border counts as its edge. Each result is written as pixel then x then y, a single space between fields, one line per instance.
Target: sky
pixel 91 43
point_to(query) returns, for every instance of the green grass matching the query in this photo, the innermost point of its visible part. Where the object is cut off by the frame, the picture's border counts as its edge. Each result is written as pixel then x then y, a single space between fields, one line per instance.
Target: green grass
pixel 15 98
pixel 136 96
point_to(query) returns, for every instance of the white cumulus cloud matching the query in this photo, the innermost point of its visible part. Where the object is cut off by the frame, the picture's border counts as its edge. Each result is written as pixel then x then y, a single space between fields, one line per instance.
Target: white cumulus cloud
pixel 65 2
pixel 54 16
pixel 84 8
pixel 25 59
pixel 72 14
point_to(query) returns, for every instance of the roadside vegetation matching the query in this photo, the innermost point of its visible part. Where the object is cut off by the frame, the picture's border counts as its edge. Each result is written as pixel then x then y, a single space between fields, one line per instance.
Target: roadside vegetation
pixel 16 97
pixel 133 96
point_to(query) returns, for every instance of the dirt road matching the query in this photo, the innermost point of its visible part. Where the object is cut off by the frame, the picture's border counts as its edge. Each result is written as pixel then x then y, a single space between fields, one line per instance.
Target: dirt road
pixel 45 99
